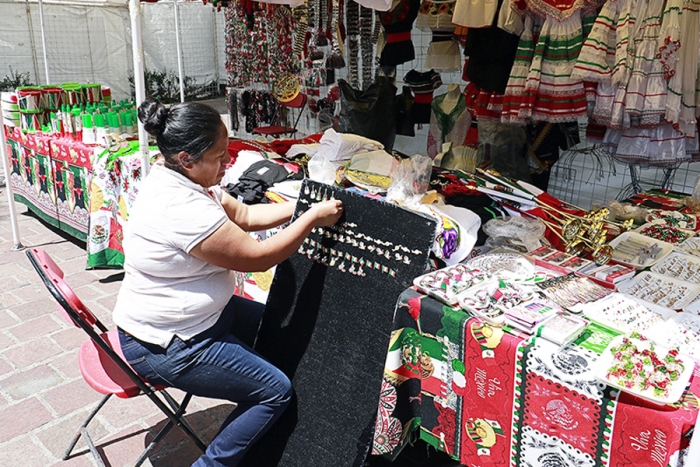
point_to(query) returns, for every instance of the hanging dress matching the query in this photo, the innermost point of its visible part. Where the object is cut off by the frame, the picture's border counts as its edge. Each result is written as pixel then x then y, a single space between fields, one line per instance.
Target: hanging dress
pixel 682 87
pixel 515 88
pixel 597 58
pixel 550 93
pixel 645 99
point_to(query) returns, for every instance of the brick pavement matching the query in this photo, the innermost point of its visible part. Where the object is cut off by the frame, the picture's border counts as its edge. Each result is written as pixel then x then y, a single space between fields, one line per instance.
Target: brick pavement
pixel 43 398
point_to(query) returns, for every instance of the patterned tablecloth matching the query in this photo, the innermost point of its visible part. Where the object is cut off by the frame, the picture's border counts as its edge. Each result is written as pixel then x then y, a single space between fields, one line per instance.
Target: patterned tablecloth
pixel 86 191
pixel 116 175
pixel 491 398
pixel 50 176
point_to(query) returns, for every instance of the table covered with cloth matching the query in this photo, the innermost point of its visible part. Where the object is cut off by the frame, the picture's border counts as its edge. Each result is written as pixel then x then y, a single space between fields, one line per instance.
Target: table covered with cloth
pixel 488 397
pixel 85 191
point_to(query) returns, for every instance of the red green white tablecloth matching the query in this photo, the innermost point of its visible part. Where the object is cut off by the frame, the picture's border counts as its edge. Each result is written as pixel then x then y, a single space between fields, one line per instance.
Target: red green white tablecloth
pixel 489 398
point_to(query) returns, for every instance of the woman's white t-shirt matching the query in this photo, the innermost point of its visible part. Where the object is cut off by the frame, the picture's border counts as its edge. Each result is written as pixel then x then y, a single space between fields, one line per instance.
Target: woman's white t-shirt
pixel 166 291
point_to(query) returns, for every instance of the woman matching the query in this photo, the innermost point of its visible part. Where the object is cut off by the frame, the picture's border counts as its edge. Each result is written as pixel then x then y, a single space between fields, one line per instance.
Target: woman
pixel 179 325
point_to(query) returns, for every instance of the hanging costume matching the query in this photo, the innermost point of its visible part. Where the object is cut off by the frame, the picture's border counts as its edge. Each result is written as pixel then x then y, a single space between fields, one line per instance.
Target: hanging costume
pixel 447 126
pixel 397 24
pixel 422 84
pixel 443 52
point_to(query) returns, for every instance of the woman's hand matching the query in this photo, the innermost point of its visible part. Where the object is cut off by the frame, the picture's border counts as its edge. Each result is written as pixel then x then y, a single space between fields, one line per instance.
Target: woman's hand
pixel 326 213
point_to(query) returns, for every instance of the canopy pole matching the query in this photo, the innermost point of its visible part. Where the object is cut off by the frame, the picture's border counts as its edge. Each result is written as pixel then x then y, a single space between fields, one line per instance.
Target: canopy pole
pixel 10 192
pixel 139 80
pixel 43 40
pixel 179 51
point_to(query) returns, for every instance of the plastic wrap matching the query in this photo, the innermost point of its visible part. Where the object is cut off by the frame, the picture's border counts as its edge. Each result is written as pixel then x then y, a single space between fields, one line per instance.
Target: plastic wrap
pixel 619 211
pixel 410 180
pixel 515 232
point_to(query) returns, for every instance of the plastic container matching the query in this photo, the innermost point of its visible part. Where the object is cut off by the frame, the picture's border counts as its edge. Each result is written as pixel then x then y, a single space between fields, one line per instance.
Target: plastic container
pixel 637 261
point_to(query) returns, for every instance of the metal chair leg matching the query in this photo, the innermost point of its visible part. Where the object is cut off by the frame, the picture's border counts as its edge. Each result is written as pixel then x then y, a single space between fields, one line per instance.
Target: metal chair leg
pixel 182 405
pixel 83 427
pixel 93 449
pixel 152 444
pixel 179 413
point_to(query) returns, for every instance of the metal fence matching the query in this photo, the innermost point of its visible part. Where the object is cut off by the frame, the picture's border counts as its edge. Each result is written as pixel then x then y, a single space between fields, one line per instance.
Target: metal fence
pixel 92 43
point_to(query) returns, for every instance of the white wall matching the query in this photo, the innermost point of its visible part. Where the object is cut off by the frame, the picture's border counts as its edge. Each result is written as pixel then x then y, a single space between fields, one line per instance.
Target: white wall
pixel 92 43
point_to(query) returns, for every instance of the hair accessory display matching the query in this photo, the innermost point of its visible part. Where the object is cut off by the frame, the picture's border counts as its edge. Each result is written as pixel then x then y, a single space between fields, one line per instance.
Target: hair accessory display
pixel 366 16
pixel 690 246
pixel 622 313
pixel 676 219
pixel 665 233
pixel 344 246
pixel 680 266
pixel 661 290
pixel 682 331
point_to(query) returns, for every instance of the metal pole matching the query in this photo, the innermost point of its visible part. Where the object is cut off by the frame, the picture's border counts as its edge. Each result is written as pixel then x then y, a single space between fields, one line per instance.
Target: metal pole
pixel 43 40
pixel 10 193
pixel 139 80
pixel 179 52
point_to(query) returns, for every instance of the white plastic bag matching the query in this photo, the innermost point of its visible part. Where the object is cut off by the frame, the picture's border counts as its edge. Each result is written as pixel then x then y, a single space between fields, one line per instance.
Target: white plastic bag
pixel 410 181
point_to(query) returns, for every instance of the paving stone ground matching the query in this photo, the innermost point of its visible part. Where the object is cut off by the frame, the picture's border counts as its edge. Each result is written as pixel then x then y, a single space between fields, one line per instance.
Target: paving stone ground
pixel 43 398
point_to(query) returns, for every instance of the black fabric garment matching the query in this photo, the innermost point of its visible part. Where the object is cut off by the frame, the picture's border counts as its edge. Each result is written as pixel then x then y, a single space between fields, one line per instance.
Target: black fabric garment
pixel 403 106
pixel 546 147
pixel 491 53
pixel 396 21
pixel 482 206
pixel 327 328
pixel 255 181
pixel 504 146
pixel 423 84
pixel 369 113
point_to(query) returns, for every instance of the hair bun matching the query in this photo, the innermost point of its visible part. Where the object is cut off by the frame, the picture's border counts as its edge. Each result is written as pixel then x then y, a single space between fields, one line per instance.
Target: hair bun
pixel 153 115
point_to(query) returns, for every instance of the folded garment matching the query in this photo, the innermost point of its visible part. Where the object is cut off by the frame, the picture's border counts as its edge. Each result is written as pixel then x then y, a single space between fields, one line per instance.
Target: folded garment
pixel 339 146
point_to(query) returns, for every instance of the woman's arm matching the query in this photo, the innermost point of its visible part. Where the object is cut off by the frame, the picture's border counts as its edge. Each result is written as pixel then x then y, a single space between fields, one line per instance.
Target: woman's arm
pixel 232 248
pixel 256 217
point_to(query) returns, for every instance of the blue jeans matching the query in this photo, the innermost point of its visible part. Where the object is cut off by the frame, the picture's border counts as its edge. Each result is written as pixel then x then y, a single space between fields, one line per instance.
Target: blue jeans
pixel 217 364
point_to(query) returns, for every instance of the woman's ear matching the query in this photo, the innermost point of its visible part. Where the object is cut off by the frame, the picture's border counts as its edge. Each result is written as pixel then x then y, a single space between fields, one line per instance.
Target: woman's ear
pixel 184 159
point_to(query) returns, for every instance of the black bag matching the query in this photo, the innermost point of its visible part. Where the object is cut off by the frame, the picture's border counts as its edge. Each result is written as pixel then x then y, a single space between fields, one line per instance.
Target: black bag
pixel 369 113
pixel 257 178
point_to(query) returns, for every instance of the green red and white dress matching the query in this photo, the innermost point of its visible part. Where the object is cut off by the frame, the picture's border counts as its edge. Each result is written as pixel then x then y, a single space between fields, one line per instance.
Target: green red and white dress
pixel 541 86
pixel 648 78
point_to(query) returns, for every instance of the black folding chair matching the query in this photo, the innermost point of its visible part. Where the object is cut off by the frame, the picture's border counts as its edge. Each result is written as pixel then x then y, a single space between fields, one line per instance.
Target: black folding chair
pixel 103 366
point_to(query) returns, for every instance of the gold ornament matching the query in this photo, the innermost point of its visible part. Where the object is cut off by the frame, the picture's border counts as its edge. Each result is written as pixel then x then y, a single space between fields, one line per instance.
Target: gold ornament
pixel 286 87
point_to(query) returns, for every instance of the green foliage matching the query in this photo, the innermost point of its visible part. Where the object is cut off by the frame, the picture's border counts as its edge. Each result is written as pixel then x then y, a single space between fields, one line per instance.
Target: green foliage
pixel 14 80
pixel 165 86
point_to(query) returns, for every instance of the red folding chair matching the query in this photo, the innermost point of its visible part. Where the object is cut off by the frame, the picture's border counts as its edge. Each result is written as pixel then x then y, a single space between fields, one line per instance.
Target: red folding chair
pixel 102 364
pixel 299 102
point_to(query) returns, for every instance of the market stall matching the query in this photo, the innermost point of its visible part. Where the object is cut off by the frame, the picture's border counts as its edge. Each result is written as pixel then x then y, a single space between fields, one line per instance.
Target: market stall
pixel 527 331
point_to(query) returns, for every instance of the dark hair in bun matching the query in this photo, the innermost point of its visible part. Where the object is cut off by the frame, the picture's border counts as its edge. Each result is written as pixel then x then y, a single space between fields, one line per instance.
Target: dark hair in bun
pixel 191 127
pixel 153 115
